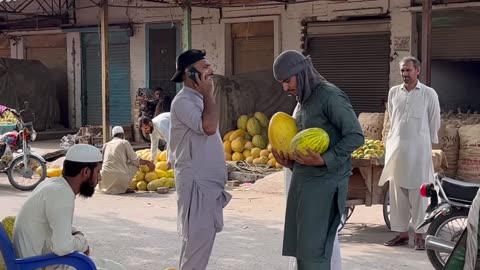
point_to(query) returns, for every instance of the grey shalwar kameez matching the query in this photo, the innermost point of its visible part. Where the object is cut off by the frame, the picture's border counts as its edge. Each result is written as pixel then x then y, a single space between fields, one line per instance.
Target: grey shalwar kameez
pixel 317 195
pixel 201 175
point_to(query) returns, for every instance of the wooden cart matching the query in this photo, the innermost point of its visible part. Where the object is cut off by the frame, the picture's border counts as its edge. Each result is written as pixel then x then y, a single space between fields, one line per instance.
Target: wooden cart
pixel 363 188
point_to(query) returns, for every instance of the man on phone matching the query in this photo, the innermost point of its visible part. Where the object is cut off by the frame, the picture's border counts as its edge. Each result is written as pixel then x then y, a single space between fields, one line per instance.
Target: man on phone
pixel 197 155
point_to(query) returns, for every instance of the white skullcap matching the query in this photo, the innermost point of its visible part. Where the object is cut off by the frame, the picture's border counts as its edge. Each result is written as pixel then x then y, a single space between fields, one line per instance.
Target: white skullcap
pixel 117 130
pixel 84 153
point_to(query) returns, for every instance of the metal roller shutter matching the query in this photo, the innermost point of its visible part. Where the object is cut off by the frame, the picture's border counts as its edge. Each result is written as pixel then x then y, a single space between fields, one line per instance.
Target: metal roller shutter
pixel 355 59
pixel 5 47
pixel 119 80
pixel 253 47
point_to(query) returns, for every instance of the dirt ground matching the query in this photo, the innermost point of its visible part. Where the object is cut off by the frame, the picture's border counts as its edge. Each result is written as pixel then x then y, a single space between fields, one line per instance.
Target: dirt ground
pixel 139 231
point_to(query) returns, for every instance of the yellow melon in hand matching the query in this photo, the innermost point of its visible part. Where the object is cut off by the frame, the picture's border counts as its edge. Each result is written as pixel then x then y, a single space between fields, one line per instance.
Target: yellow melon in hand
pixel 144 168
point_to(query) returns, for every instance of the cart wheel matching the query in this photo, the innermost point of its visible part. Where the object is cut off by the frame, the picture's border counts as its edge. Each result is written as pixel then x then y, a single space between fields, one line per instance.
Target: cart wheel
pixel 346 215
pixel 386 209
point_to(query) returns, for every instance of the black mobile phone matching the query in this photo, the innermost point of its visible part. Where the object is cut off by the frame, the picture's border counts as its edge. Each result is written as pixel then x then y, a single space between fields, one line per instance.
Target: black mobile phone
pixel 191 74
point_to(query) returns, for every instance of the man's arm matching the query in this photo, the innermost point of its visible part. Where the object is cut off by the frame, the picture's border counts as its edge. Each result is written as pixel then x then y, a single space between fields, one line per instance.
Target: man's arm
pixel 209 115
pixel 342 116
pixel 59 212
pixel 131 155
pixel 154 145
pixel 434 118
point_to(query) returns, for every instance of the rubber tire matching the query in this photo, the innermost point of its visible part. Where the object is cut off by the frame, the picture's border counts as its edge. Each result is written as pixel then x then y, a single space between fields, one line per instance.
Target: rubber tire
pixel 31 187
pixel 434 226
pixel 346 214
pixel 386 217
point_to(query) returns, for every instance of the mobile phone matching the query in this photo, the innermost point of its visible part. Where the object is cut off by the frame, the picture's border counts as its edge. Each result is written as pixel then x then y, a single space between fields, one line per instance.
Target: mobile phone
pixel 191 74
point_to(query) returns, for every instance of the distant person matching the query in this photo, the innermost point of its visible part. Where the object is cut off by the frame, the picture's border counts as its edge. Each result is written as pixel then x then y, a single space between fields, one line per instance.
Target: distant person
pixel 120 163
pixel 158 128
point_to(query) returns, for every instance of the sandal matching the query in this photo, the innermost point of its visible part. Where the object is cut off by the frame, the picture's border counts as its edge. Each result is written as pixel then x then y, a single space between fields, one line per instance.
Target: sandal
pixel 397 241
pixel 419 244
pixel 129 190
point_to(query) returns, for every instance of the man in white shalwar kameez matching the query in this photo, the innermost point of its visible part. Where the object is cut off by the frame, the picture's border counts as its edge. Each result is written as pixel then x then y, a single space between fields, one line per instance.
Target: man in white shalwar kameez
pixel 197 155
pixel 44 223
pixel 414 113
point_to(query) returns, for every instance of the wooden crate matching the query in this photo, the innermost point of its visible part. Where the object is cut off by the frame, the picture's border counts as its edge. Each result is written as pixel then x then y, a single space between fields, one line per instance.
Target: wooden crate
pixel 363 186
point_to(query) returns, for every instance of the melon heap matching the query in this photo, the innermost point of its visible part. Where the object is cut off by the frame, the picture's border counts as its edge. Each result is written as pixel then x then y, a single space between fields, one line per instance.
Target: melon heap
pixel 8 117
pixel 370 149
pixel 146 180
pixel 249 142
pixel 315 139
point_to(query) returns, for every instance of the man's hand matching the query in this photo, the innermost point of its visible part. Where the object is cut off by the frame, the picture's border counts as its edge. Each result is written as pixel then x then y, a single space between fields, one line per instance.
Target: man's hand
pixel 205 84
pixel 311 159
pixel 150 165
pixel 282 158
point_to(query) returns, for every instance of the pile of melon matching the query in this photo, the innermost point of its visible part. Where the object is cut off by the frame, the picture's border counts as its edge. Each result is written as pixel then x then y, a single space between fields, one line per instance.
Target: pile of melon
pixel 249 142
pixel 146 180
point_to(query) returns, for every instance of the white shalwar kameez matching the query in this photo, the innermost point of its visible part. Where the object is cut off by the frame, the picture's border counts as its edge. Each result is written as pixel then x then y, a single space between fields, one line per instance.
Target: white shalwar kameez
pixel 415 121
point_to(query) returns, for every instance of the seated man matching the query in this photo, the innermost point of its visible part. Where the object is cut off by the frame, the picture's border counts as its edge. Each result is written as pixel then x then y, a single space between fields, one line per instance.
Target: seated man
pixel 44 223
pixel 158 128
pixel 120 163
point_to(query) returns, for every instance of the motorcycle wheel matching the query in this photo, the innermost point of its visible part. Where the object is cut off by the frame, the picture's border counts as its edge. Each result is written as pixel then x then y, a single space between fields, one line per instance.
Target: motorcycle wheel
pixel 28 174
pixel 345 216
pixel 386 209
pixel 436 228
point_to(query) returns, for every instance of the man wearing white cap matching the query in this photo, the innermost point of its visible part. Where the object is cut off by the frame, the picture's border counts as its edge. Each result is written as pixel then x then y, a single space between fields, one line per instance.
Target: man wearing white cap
pixel 44 223
pixel 120 163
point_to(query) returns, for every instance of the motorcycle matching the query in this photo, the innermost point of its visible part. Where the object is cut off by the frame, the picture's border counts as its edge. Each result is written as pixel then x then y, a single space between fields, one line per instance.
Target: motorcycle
pixel 448 210
pixel 17 159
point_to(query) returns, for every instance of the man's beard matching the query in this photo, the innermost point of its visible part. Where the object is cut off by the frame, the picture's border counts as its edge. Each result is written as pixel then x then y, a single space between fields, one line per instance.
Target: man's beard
pixel 86 189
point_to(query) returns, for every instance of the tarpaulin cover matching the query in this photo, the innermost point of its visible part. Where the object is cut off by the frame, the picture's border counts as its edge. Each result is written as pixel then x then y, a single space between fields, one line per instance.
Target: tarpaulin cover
pixel 31 81
pixel 249 93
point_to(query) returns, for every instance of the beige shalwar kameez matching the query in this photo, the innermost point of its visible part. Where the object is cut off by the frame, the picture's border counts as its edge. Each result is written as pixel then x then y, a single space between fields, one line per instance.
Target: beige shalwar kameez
pixel 201 176
pixel 120 163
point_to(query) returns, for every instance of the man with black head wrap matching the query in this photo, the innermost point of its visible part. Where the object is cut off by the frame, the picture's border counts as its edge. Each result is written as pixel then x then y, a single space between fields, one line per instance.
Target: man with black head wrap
pixel 317 195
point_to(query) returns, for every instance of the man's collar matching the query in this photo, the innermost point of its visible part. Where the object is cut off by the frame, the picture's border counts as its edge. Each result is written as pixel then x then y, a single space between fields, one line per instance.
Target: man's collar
pixel 417 87
pixel 191 90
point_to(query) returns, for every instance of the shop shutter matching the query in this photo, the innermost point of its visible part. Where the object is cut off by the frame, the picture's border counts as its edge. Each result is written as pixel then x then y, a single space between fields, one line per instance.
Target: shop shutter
pixel 355 56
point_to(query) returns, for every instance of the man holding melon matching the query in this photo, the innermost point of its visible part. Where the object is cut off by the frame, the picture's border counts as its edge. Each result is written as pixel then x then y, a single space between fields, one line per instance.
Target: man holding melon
pixel 414 111
pixel 196 152
pixel 319 157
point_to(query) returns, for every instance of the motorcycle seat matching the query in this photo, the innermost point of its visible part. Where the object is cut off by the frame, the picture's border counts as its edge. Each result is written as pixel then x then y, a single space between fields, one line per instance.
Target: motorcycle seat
pixel 459 191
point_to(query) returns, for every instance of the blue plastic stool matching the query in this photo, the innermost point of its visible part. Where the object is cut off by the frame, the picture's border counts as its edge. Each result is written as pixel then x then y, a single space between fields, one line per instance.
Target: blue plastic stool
pixel 78 260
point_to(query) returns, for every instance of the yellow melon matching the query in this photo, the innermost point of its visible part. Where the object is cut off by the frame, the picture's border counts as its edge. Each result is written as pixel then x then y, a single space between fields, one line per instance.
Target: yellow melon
pixel 249 146
pixel 249 159
pixel 242 122
pixel 264 153
pixel 139 176
pixel 142 185
pixel 161 165
pixel 256 152
pixel 228 156
pixel 161 173
pixel 281 130
pixel 262 118
pixel 133 184
pixel 227 135
pixel 227 147
pixel 271 163
pixel 254 127
pixel 237 156
pixel 246 153
pixel 237 133
pixel 238 144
